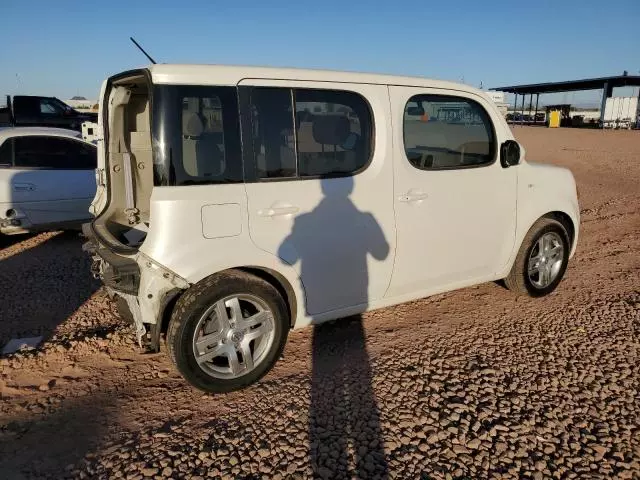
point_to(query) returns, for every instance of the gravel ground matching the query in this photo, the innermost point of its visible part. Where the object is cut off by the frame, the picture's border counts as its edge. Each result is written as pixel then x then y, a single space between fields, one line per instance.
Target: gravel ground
pixel 471 384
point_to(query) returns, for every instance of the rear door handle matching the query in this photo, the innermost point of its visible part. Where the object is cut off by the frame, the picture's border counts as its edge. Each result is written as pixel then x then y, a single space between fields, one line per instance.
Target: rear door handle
pixel 412 196
pixel 277 211
pixel 24 187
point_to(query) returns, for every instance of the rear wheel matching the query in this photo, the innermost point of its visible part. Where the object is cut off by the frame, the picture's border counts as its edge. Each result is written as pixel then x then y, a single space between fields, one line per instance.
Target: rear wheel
pixel 227 331
pixel 542 259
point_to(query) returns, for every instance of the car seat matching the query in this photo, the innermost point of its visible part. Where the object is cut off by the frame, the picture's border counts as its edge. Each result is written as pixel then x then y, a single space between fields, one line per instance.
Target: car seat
pixel 202 154
pixel 332 131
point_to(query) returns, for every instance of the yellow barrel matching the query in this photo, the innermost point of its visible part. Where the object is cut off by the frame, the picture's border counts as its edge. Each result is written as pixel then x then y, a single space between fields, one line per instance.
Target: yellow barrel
pixel 554 119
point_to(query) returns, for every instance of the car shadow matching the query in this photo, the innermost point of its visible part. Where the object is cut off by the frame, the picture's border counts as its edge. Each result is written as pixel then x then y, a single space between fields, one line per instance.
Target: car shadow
pixel 7 241
pixel 344 421
pixel 42 285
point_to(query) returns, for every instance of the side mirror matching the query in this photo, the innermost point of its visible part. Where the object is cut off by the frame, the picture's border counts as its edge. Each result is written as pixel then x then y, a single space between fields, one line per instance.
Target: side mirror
pixel 509 153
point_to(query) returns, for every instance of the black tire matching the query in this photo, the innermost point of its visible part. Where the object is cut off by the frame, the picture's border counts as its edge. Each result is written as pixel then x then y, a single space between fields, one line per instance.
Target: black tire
pixel 192 305
pixel 518 280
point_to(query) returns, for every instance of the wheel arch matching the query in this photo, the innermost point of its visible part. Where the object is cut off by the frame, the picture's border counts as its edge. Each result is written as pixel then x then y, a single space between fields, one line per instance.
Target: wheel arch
pixel 274 278
pixel 565 220
pixel 568 221
pixel 280 283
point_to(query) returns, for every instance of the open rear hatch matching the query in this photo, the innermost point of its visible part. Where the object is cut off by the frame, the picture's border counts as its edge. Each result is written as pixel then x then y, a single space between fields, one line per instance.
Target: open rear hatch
pixel 126 177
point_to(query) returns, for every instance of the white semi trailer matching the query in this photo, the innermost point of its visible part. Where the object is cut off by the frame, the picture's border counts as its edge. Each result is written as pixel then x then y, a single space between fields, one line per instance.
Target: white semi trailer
pixel 621 112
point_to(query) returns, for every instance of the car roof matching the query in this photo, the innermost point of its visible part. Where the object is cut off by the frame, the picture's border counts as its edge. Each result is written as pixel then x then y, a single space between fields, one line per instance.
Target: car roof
pixel 230 75
pixel 10 132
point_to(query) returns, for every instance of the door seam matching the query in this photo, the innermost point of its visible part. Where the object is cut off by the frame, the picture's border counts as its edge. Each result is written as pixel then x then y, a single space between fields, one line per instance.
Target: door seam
pixel 393 193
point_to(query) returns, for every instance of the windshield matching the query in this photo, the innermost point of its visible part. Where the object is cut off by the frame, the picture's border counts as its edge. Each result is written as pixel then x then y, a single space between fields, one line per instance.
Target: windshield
pixel 196 135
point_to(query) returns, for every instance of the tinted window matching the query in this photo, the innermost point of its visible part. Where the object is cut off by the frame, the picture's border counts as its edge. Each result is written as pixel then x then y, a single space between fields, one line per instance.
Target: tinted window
pixel 26 106
pixel 49 107
pixel 273 133
pixel 54 153
pixel 333 132
pixel 6 153
pixel 202 137
pixel 196 135
pixel 83 155
pixel 447 132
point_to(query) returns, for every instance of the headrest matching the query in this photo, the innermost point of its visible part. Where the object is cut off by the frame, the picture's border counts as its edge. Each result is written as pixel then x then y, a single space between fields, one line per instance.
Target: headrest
pixel 331 129
pixel 193 127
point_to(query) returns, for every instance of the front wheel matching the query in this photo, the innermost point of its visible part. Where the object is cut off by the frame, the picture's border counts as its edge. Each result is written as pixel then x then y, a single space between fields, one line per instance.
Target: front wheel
pixel 542 259
pixel 227 331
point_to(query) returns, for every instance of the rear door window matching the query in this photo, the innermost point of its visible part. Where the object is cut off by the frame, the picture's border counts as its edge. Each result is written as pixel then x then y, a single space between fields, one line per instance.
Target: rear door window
pixel 303 133
pixel 53 153
pixel 333 131
pixel 273 133
pixel 83 156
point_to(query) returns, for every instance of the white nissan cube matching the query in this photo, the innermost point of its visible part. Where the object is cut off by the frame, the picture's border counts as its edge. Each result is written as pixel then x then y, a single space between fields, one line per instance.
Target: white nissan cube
pixel 237 203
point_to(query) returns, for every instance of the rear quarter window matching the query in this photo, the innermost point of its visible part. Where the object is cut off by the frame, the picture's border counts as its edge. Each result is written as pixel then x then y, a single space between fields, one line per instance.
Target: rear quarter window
pixel 196 135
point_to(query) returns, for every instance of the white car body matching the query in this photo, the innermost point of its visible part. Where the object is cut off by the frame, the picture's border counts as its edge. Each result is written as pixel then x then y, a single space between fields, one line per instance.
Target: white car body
pixel 35 198
pixel 444 229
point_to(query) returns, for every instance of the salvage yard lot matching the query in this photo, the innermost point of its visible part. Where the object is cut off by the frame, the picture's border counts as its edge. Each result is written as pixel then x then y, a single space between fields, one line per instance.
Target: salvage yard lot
pixel 476 383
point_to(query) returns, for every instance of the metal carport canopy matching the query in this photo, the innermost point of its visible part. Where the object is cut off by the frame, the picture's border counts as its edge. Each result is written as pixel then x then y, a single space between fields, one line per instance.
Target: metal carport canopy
pixel 573 85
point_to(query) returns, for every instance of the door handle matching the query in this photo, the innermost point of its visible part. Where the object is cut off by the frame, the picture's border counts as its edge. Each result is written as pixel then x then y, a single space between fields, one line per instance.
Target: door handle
pixel 277 211
pixel 412 197
pixel 24 187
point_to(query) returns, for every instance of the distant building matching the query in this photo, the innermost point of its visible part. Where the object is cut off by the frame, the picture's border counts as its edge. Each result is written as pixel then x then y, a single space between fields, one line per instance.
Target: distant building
pixel 498 99
pixel 82 104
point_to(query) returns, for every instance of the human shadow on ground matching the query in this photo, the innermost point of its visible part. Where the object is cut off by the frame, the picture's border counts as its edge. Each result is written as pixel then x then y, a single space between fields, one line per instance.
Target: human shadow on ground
pixel 344 419
pixel 332 243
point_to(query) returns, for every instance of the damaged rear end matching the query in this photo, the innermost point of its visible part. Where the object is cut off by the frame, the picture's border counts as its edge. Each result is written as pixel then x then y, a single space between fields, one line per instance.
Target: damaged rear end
pixel 125 178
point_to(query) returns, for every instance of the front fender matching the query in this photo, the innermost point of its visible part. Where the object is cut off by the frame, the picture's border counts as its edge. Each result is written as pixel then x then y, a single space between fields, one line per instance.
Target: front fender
pixel 544 190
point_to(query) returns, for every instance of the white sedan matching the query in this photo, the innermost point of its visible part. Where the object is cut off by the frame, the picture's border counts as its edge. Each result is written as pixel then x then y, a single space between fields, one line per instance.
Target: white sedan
pixel 47 179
